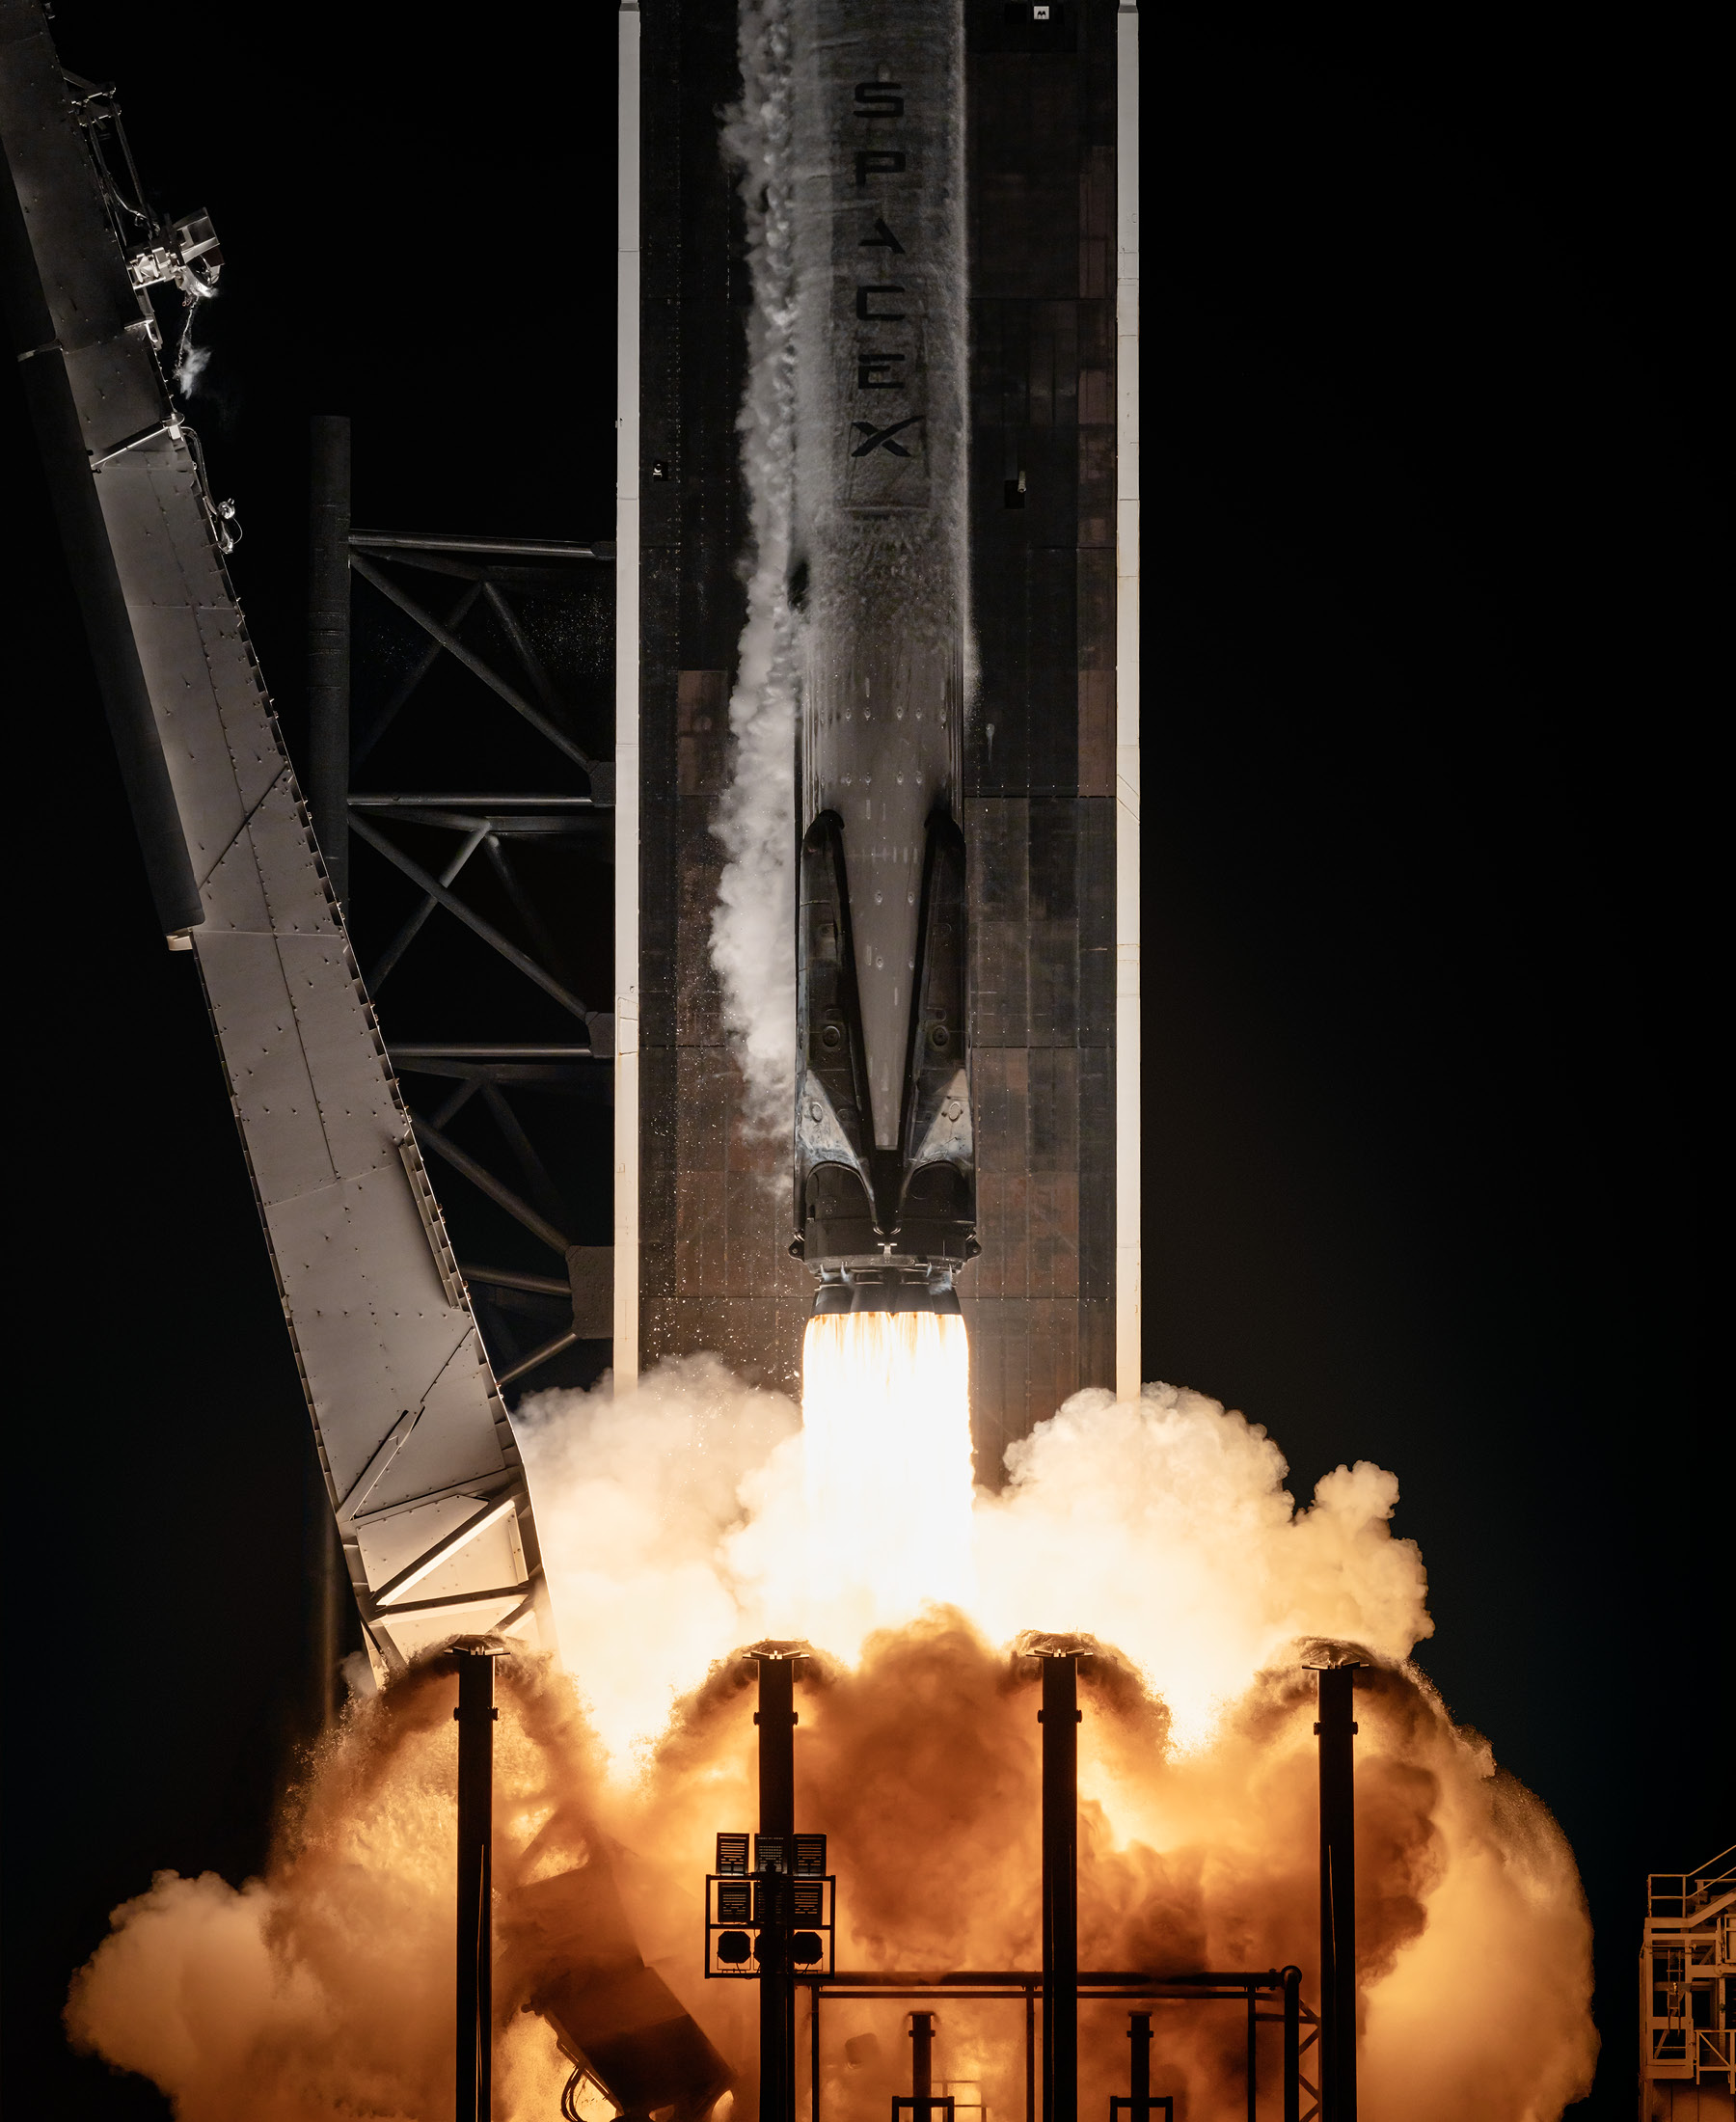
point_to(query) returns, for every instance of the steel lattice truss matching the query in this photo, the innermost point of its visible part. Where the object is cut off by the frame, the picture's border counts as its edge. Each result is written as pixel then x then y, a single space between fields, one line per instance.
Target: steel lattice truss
pixel 512 1087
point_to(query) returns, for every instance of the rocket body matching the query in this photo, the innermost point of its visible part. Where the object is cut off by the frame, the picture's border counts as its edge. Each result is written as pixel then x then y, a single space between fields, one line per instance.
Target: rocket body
pixel 884 1168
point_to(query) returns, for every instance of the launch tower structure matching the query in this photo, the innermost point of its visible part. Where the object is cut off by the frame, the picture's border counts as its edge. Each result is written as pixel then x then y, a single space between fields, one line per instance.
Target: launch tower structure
pixel 1688 1992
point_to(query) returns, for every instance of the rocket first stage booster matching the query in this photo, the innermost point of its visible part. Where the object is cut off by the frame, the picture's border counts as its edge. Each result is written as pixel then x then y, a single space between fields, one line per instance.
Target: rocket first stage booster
pixel 884 1163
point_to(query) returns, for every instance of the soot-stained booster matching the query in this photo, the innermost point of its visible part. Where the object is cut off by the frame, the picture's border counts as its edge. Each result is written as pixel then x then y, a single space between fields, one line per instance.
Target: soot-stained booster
pixel 884 1163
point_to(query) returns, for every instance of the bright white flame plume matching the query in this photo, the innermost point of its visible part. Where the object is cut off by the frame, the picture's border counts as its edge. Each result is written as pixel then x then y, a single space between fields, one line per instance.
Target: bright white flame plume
pixel 886 1475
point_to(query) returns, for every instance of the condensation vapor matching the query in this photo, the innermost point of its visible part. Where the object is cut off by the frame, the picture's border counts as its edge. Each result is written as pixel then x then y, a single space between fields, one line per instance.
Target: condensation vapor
pixel 922 1764
pixel 753 925
pixel 324 1989
pixel 674 1525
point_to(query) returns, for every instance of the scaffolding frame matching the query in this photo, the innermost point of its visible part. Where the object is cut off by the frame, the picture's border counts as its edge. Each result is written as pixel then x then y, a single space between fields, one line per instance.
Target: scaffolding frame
pixel 1279 1988
pixel 1688 1982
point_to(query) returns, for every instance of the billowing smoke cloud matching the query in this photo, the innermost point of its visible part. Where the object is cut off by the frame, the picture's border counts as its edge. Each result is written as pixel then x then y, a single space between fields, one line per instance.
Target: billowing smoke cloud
pixel 697 1514
pixel 921 1764
pixel 670 1521
pixel 1164 1527
pixel 325 1989
pixel 753 927
pixel 640 1503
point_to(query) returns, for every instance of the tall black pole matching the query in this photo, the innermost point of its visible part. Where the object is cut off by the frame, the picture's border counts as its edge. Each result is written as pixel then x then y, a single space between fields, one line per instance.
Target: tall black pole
pixel 1139 2076
pixel 1060 1888
pixel 1336 1728
pixel 475 1714
pixel 1292 2045
pixel 777 1720
pixel 922 2065
pixel 329 642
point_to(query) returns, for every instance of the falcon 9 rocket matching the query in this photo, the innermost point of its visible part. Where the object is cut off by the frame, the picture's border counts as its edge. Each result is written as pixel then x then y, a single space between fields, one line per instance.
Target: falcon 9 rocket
pixel 884 1163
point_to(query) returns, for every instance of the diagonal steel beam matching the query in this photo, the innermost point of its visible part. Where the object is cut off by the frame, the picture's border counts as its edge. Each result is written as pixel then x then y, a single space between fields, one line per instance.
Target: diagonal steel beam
pixel 450 1602
pixel 472 920
pixel 388 715
pixel 489 1512
pixel 509 1278
pixel 523 905
pixel 470 660
pixel 430 1137
pixel 456 1102
pixel 514 630
pixel 537 1357
pixel 412 927
pixel 535 1171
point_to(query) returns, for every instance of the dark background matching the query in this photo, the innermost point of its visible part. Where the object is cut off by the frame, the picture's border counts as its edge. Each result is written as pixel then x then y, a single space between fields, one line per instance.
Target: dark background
pixel 1435 573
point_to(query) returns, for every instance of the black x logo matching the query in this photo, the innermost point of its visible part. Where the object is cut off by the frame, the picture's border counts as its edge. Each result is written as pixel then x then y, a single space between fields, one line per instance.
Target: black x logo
pixel 880 438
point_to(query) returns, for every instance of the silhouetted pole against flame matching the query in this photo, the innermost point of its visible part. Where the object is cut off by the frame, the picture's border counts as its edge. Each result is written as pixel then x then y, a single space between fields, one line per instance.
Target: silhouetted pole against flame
pixel 922 2065
pixel 1139 2076
pixel 1060 1717
pixel 475 1713
pixel 1292 2045
pixel 1336 1728
pixel 777 1720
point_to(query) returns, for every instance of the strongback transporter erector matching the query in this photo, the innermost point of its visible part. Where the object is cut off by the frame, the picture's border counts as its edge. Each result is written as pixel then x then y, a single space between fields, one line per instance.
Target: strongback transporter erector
pixel 419 1455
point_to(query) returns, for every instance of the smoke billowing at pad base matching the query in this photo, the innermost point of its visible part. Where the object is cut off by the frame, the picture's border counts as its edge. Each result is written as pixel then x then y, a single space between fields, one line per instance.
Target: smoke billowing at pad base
pixel 673 1537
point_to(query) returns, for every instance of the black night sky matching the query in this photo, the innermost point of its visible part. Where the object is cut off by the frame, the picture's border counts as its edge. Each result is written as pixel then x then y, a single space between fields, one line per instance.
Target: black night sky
pixel 1435 585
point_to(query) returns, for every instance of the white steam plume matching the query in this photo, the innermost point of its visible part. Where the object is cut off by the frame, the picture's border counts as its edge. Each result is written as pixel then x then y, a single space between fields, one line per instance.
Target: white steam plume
pixel 753 928
pixel 696 1515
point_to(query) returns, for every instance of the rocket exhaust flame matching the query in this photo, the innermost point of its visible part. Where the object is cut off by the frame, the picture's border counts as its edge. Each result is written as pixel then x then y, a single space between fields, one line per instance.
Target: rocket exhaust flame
pixel 324 1988
pixel 886 1462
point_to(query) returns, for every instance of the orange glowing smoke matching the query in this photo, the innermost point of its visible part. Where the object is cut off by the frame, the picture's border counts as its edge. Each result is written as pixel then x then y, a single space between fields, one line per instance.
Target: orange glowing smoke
pixel 698 1515
pixel 325 1989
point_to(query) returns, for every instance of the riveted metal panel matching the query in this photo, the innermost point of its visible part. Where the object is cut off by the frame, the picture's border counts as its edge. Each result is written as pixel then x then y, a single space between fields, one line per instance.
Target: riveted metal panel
pixel 377 1331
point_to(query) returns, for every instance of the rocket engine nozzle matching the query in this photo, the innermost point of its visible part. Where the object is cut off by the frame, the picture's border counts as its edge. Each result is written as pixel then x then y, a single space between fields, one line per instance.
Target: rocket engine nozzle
pixel 870 1289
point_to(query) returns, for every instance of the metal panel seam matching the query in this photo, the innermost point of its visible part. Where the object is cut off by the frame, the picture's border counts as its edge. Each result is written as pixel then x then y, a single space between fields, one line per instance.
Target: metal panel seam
pixel 1128 1265
pixel 626 1220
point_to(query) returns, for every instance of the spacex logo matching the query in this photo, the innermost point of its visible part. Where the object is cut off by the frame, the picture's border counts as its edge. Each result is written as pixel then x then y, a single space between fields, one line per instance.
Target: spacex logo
pixel 889 360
